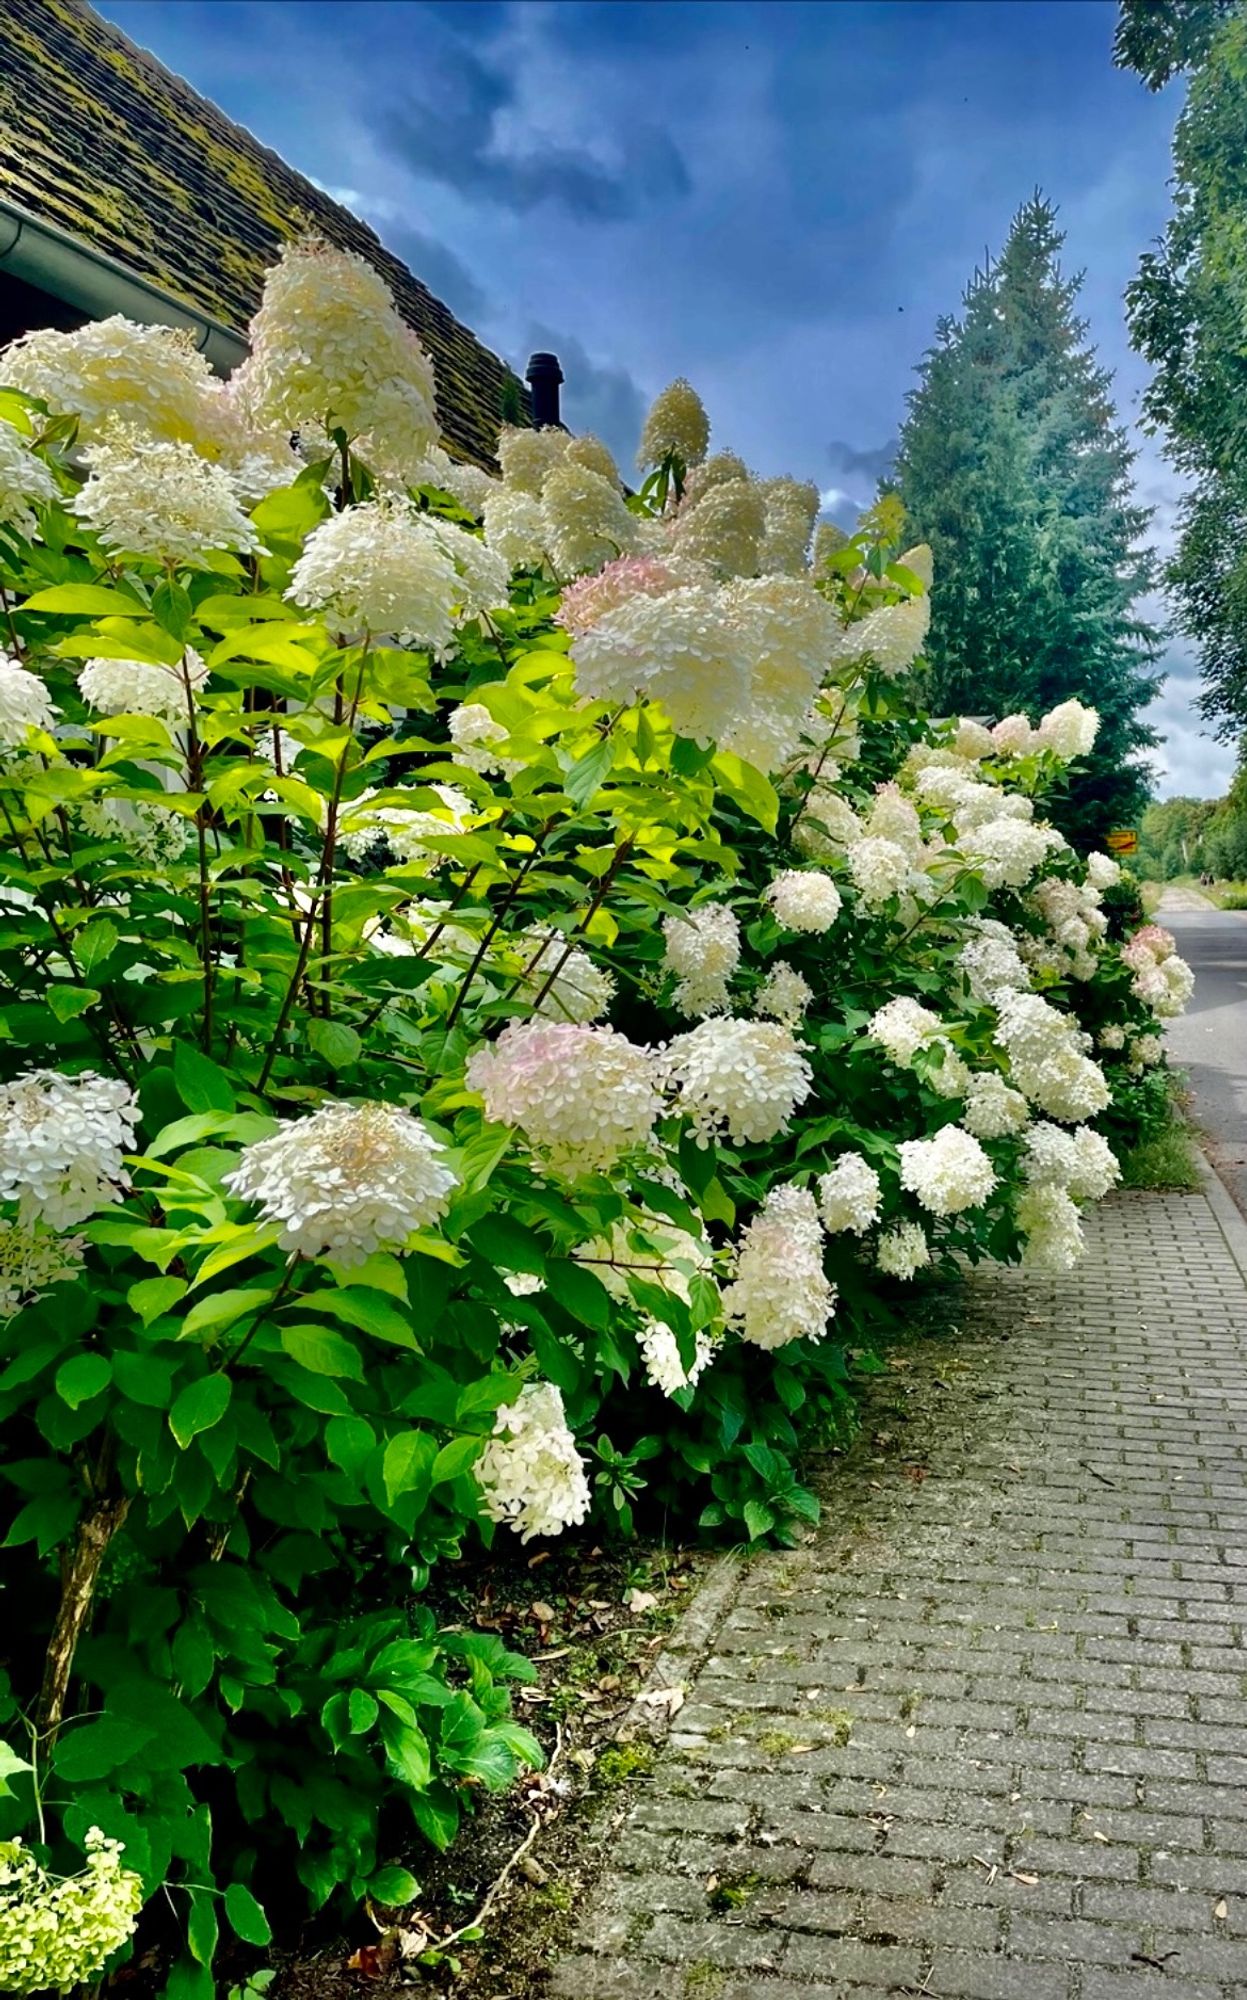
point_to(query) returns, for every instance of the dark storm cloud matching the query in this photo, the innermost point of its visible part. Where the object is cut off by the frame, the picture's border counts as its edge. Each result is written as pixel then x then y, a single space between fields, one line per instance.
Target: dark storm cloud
pixel 854 462
pixel 450 135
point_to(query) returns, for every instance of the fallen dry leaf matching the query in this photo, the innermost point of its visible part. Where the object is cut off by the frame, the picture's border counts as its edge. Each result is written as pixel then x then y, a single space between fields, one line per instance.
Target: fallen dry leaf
pixel 640 1600
pixel 1221 1910
pixel 545 1612
pixel 670 1698
pixel 1031 1881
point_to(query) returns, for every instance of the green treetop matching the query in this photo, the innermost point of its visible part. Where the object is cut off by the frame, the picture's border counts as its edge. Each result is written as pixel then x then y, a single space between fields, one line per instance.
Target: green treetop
pixel 1012 464
pixel 1187 310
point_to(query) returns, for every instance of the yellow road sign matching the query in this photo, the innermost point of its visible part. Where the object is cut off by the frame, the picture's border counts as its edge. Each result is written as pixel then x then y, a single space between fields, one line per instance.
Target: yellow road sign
pixel 1124 841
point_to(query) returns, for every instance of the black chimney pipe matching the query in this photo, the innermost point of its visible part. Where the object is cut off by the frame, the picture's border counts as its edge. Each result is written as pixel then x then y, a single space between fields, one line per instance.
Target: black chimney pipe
pixel 543 376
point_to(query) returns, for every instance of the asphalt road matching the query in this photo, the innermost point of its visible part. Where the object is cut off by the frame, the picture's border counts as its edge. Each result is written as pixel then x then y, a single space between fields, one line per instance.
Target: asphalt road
pixel 1210 1040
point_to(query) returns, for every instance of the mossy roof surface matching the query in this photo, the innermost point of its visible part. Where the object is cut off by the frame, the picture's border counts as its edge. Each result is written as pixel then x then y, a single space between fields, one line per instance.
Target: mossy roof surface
pixel 100 139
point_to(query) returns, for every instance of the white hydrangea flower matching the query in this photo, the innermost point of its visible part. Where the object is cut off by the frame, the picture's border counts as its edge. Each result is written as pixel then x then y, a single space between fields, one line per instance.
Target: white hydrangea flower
pixel 1006 852
pixel 1081 1162
pixel 1013 736
pixel 330 351
pixel 586 521
pixel 1147 1050
pixel 153 373
pixel 985 805
pixel 879 869
pixel 406 829
pixel 788 631
pixel 991 962
pixel 156 836
pixel 893 636
pixel 139 687
pixel 484 578
pixel 515 525
pixel 474 732
pixel 903 1251
pixel 585 449
pixel 804 899
pixel 1102 871
pixel 723 528
pixel 528 456
pixel 745 1077
pixel 1113 1036
pixel 155 497
pixel 578 990
pixel 24 704
pixel 1049 1221
pixel 827 824
pixel 946 788
pixel 1069 730
pixel 993 1109
pixel 949 1172
pixel 348 1181
pixel 61 1144
pixel 682 650
pixel 850 1195
pixel 660 1355
pixel 531 1477
pixel 894 817
pixel 791 507
pixel 25 481
pixel 676 422
pixel 779 1290
pixel 58 1932
pixel 381 568
pixel 703 950
pixel 581 1095
pixel 973 739
pixel 467 484
pixel 783 995
pixel 32 1260
pixel 1047 1058
pixel 902 1027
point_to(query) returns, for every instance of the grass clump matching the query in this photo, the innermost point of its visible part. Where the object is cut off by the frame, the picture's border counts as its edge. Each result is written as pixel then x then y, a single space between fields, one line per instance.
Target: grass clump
pixel 1164 1163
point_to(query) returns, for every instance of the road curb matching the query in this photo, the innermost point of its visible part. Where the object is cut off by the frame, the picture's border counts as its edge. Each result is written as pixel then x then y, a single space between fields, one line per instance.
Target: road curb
pixel 1221 1202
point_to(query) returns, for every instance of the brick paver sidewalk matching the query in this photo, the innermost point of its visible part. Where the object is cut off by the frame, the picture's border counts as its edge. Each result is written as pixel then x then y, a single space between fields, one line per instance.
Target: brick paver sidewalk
pixel 1035 1638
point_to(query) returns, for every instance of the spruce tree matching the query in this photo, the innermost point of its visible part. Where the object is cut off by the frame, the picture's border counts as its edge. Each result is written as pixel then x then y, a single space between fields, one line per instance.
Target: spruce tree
pixel 1012 464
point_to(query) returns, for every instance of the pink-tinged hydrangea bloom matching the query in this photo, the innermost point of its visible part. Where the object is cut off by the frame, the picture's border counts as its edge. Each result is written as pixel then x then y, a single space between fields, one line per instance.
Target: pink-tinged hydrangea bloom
pixel 580 1095
pixel 780 1291
pixel 591 597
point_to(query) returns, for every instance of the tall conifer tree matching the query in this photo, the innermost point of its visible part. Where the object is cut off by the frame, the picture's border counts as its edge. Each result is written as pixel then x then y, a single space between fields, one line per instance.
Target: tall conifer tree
pixel 1013 465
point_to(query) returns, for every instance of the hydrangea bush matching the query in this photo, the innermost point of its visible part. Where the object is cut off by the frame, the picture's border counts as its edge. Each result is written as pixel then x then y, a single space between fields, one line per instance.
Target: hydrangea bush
pixel 503 987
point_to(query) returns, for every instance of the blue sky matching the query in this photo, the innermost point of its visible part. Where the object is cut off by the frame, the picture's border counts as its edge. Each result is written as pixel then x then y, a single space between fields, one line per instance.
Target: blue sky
pixel 777 200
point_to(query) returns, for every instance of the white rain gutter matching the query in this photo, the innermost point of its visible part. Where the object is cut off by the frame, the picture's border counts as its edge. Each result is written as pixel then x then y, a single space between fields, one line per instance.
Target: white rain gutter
pixel 96 284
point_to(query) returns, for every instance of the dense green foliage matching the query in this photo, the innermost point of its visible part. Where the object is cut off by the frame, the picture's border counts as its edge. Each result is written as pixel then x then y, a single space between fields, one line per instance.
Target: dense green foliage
pixel 1013 466
pixel 1186 317
pixel 258 1401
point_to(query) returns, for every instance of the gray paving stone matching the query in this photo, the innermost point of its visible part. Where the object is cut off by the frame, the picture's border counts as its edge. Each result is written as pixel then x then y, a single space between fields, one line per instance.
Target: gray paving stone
pixel 1045 1786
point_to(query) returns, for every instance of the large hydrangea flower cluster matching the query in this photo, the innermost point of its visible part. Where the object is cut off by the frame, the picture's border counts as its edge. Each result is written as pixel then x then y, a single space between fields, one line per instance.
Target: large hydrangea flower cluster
pixel 779 1290
pixel 57 1932
pixel 1162 978
pixel 582 1096
pixel 531 1476
pixel 348 1181
pixel 62 1142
